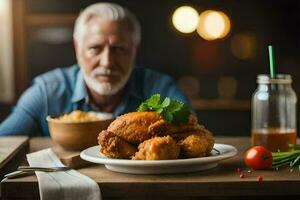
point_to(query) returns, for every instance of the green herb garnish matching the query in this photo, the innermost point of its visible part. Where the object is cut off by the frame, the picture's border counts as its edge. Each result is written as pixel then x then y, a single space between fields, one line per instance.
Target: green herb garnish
pixel 287 158
pixel 171 110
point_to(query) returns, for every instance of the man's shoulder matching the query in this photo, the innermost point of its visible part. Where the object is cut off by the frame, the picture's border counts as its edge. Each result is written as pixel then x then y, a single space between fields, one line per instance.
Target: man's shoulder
pixel 58 76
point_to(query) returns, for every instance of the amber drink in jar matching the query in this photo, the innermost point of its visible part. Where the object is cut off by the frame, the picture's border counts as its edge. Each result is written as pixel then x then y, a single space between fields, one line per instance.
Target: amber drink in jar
pixel 274 113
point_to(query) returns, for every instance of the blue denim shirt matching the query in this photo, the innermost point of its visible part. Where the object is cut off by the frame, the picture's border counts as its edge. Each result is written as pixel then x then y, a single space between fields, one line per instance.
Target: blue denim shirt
pixel 63 90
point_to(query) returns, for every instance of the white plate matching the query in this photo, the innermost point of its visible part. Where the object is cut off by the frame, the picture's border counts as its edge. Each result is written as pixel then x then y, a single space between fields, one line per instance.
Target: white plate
pixel 93 154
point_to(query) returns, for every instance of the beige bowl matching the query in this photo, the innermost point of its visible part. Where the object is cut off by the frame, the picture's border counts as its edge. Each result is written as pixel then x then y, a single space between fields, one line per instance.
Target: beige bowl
pixel 76 135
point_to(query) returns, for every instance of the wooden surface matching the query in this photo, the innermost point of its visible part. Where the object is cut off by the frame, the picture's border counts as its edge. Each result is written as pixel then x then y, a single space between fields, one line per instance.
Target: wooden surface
pixel 69 158
pixel 12 152
pixel 220 181
pixel 51 20
pixel 20 50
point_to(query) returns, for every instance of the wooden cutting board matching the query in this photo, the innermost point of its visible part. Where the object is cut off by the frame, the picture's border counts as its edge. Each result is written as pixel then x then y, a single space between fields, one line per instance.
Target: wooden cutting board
pixel 69 158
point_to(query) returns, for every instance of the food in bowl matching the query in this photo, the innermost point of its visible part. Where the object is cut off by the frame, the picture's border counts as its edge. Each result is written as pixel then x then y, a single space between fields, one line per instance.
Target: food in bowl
pixel 80 116
pixel 78 130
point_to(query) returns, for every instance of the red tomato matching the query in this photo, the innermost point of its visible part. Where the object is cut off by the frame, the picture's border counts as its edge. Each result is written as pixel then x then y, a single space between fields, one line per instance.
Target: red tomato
pixel 258 157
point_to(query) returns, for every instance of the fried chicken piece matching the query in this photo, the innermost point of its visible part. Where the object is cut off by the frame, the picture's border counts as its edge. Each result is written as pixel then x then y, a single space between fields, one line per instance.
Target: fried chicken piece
pixel 198 129
pixel 161 127
pixel 133 127
pixel 158 148
pixel 114 147
pixel 196 145
pixel 136 127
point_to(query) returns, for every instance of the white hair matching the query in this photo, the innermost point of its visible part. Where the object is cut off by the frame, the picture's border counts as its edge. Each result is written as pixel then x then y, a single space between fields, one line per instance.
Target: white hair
pixel 110 12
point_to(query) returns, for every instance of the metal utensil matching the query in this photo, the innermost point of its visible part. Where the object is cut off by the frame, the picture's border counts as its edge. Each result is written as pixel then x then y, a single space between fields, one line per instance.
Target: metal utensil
pixel 17 174
pixel 43 169
pixel 27 170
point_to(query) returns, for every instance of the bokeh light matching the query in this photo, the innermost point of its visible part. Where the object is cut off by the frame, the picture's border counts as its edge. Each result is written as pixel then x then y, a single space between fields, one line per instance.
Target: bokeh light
pixel 4 7
pixel 227 87
pixel 190 85
pixel 213 25
pixel 243 46
pixel 207 56
pixel 185 19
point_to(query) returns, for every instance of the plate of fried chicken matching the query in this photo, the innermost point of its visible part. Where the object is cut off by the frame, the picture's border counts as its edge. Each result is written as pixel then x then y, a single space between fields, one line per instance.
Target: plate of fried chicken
pixel 146 143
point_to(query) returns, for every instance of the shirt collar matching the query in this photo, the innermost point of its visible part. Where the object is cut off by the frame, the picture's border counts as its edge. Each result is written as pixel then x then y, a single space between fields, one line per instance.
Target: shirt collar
pixel 80 91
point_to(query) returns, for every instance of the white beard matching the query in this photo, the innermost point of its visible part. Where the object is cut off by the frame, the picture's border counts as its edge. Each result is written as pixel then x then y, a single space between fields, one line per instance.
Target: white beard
pixel 105 88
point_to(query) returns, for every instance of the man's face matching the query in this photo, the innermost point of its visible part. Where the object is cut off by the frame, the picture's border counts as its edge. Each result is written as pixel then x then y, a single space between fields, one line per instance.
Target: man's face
pixel 106 55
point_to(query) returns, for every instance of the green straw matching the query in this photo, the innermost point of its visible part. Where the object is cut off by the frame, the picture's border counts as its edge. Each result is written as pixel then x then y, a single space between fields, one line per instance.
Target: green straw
pixel 272 62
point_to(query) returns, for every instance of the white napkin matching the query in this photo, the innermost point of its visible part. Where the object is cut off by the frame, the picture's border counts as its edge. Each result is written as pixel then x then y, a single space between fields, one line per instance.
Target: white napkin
pixel 62 184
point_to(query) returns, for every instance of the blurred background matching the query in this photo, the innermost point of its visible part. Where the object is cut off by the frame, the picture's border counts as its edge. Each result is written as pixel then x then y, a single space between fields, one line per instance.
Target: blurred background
pixel 214 49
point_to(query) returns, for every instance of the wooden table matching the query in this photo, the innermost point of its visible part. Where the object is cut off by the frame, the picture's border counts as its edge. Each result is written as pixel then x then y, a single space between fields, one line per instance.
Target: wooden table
pixel 222 181
pixel 12 152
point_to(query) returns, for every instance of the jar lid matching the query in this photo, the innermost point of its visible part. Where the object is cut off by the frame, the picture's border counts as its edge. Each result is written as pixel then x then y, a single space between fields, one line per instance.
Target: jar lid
pixel 280 79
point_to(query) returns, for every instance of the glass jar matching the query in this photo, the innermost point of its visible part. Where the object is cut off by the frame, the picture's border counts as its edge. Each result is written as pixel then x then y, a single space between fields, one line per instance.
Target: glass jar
pixel 274 113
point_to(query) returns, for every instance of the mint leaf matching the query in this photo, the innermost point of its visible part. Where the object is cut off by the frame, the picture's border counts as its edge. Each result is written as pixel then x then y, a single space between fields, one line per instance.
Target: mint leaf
pixel 170 109
pixel 143 107
pixel 167 115
pixel 160 110
pixel 154 99
pixel 166 102
pixel 154 102
pixel 175 106
pixel 182 115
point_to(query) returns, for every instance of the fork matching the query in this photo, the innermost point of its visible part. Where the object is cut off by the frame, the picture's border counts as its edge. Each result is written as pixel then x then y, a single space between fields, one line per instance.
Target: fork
pixel 43 169
pixel 27 170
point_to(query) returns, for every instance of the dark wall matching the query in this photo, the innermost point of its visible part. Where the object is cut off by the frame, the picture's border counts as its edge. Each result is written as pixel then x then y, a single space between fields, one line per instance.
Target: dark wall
pixel 4 111
pixel 163 48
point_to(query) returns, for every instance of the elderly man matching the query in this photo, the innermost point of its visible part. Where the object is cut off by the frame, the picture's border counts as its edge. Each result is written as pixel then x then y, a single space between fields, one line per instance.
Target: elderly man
pixel 106 37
